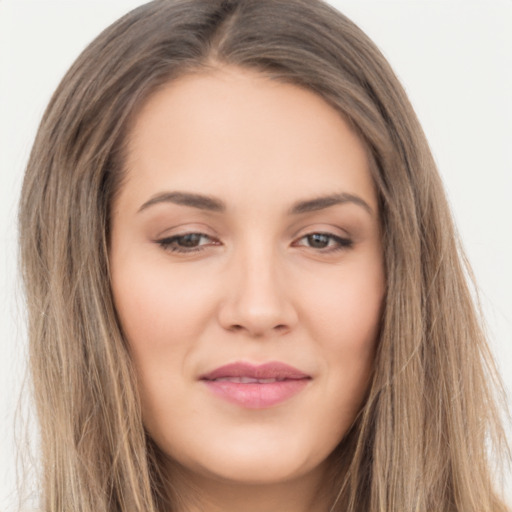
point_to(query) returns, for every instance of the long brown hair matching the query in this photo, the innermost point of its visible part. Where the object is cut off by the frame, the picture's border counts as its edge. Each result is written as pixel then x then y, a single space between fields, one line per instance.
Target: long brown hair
pixel 421 440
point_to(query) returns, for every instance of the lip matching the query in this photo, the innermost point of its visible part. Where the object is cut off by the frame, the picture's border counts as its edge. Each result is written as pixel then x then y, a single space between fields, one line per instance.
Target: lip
pixel 256 386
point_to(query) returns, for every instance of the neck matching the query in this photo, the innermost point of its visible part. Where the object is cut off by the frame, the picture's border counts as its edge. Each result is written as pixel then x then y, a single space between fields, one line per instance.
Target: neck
pixel 205 493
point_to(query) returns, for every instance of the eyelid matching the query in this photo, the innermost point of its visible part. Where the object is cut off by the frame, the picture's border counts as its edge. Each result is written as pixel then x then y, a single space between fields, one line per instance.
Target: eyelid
pixel 321 228
pixel 184 228
pixel 342 239
pixel 166 242
pixel 342 242
pixel 336 239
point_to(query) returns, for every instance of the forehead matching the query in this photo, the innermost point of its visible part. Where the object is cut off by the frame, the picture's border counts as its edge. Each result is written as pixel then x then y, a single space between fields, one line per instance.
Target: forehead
pixel 232 132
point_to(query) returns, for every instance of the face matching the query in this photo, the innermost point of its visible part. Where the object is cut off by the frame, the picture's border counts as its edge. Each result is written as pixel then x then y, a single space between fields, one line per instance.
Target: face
pixel 247 274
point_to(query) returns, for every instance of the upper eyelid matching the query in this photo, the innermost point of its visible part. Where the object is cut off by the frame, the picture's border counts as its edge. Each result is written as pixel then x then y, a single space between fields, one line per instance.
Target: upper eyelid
pixel 183 230
pixel 186 233
pixel 339 233
pixel 171 238
pixel 323 233
pixel 296 236
pixel 324 229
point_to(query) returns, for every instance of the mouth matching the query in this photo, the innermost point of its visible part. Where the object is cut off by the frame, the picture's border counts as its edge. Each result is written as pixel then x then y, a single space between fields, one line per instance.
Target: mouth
pixel 256 386
pixel 247 380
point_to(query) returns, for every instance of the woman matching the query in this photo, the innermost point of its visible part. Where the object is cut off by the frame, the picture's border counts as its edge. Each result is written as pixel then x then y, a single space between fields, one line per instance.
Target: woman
pixel 244 287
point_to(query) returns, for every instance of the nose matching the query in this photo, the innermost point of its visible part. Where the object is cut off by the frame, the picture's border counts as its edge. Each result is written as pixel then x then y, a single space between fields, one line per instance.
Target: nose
pixel 257 298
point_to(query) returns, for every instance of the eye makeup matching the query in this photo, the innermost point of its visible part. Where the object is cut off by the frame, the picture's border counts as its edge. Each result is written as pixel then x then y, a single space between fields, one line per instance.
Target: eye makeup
pixel 193 242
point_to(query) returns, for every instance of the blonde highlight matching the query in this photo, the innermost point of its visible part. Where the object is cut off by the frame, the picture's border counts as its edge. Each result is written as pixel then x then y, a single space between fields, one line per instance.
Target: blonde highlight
pixel 420 441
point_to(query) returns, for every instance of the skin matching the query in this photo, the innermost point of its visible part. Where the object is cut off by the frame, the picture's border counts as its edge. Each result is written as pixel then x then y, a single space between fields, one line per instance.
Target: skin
pixel 254 287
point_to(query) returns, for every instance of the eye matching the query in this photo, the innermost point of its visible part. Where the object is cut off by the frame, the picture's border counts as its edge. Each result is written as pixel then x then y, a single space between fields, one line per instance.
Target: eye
pixel 187 242
pixel 325 242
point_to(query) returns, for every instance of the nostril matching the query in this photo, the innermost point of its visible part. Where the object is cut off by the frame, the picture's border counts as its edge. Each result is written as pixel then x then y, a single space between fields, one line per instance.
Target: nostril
pixel 278 328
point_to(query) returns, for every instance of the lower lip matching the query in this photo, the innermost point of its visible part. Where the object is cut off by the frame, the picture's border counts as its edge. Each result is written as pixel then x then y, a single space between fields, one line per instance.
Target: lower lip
pixel 256 395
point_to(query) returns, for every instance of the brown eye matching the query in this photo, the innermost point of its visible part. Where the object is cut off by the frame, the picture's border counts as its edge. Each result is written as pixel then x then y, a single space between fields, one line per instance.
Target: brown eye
pixel 318 240
pixel 190 240
pixel 186 243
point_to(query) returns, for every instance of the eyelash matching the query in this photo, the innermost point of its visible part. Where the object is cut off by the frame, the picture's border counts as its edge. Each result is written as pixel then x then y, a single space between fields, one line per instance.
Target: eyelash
pixel 171 243
pixel 340 242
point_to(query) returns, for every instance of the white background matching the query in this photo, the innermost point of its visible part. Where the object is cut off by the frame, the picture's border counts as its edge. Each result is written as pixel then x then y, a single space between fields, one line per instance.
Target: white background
pixel 454 59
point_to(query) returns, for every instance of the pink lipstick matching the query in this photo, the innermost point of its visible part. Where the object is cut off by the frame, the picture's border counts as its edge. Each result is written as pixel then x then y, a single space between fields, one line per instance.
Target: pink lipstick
pixel 256 387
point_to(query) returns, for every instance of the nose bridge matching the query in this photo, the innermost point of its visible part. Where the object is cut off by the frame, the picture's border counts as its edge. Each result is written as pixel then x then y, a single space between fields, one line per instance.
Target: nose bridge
pixel 257 296
pixel 259 276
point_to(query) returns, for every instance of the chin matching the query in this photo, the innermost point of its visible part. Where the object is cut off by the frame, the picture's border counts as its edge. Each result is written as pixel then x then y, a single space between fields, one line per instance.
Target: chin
pixel 263 460
pixel 272 470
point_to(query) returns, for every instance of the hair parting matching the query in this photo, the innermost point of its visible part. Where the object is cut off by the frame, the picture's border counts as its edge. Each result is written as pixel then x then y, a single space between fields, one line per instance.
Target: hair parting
pixel 421 440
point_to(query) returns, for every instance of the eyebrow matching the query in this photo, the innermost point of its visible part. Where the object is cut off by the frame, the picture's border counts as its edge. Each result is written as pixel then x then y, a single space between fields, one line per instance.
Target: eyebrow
pixel 199 201
pixel 320 203
pixel 209 203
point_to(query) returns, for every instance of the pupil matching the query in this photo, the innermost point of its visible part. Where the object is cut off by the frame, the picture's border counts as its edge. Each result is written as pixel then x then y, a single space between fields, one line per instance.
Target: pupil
pixel 191 240
pixel 318 241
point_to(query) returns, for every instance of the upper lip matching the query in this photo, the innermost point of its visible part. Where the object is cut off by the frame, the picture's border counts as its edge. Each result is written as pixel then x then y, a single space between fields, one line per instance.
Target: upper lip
pixel 271 370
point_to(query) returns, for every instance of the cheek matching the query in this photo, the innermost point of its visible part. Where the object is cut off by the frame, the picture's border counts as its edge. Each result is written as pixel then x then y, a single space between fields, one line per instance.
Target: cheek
pixel 345 305
pixel 163 316
pixel 343 316
pixel 159 308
